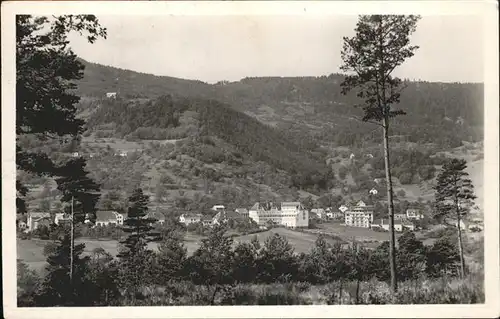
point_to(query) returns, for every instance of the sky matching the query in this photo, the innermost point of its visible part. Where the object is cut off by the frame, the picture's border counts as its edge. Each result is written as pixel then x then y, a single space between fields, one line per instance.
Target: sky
pixel 215 48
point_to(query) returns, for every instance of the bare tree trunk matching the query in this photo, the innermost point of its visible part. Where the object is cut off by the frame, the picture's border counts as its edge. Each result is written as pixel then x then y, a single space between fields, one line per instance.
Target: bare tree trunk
pixel 460 247
pixel 72 244
pixel 392 247
pixel 357 291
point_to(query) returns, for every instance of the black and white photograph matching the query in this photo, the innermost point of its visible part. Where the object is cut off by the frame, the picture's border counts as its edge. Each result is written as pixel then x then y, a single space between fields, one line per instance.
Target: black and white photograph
pixel 172 155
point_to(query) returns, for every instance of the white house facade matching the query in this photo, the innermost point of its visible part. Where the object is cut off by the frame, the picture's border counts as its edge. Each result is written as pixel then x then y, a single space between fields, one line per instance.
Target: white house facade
pixel 289 214
pixel 360 215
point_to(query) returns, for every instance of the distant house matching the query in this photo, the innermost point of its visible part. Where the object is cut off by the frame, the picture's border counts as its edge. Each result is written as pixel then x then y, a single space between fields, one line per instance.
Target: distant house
pixel 352 156
pixel 413 213
pixel 369 155
pixel 218 208
pixel 111 95
pixel 206 221
pixel 242 211
pixel 225 216
pixel 320 212
pixel 343 208
pixel 36 219
pixel 360 215
pixel 75 154
pixel 373 191
pixel 123 154
pixel 399 216
pixel 187 219
pixel 399 225
pixel 61 218
pixel 334 214
pixel 107 217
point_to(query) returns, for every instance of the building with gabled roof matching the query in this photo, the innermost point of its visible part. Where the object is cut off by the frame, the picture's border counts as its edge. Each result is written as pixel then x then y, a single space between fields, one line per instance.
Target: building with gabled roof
pixel 190 218
pixel 289 214
pixel 399 224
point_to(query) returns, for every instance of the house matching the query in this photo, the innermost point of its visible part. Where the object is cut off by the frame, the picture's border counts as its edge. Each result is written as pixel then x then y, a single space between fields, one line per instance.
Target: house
pixel 373 191
pixel 343 208
pixel 369 155
pixel 360 215
pixel 289 214
pixel 187 219
pixel 352 156
pixel 60 218
pixel 399 225
pixel 218 208
pixel 242 211
pixel 107 217
pixel 399 216
pixel 412 213
pixel 75 154
pixel 331 213
pixel 123 154
pixel 36 219
pixel 206 220
pixel 225 216
pixel 320 212
pixel 111 95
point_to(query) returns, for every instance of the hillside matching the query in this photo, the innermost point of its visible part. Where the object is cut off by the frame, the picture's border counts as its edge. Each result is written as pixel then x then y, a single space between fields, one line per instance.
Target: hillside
pixel 312 108
pixel 191 145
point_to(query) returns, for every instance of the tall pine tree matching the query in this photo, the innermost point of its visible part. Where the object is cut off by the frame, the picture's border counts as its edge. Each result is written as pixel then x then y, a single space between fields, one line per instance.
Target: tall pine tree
pixel 80 193
pixel 380 45
pixel 454 197
pixel 46 69
pixel 134 255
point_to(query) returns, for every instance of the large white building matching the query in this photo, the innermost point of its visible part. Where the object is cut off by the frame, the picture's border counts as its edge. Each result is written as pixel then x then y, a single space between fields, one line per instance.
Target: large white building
pixel 360 215
pixel 289 214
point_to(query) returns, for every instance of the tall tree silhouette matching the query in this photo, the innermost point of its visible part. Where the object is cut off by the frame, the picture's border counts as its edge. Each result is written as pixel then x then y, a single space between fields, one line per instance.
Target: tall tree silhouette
pixel 454 197
pixel 46 69
pixel 134 253
pixel 80 193
pixel 380 45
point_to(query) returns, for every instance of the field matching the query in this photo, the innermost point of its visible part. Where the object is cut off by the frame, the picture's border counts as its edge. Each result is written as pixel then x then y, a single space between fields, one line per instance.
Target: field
pixel 31 251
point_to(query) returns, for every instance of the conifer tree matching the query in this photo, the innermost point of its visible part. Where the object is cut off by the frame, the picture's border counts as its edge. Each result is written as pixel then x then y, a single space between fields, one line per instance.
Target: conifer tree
pixel 46 69
pixel 135 257
pixel 454 197
pixel 380 45
pixel 80 193
pixel 58 289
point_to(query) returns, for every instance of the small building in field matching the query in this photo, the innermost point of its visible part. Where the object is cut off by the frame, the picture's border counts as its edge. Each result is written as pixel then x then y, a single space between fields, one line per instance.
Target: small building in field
pixel 399 225
pixel 108 217
pixel 111 95
pixel 373 191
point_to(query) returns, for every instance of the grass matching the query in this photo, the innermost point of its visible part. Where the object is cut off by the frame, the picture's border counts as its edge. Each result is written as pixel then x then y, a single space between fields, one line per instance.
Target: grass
pixel 425 291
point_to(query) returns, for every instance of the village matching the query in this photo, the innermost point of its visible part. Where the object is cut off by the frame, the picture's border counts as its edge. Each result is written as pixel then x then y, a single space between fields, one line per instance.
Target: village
pixel 265 215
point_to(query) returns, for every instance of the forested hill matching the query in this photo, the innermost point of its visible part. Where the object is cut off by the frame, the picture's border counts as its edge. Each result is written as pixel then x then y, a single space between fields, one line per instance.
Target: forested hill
pixel 201 120
pixel 312 108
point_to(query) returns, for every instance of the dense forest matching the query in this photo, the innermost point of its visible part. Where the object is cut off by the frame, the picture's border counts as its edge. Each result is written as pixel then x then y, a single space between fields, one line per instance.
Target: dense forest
pixel 313 108
pixel 169 117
